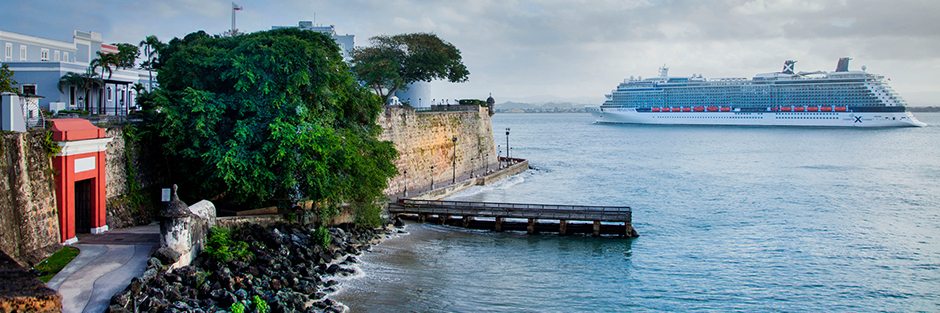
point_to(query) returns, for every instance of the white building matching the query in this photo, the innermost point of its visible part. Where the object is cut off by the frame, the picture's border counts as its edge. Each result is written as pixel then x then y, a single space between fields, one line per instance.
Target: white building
pixel 39 63
pixel 345 42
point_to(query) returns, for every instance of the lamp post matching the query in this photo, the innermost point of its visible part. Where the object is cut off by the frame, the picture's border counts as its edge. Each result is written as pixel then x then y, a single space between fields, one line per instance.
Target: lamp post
pixel 508 156
pixel 454 160
pixel 406 184
pixel 432 177
pixel 487 162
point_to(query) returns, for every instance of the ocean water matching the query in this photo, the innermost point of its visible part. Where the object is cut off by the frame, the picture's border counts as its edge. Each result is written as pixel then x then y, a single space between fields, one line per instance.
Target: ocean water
pixel 731 219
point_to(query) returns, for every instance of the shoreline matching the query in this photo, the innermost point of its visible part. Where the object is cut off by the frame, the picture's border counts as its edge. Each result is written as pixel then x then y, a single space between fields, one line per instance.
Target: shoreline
pixel 288 272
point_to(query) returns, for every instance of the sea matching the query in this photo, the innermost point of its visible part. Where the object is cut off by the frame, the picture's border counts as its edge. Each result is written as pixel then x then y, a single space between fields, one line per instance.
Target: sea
pixel 731 218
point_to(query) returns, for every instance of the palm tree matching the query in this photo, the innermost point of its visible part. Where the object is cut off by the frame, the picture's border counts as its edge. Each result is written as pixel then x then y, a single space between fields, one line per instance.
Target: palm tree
pixel 152 47
pixel 84 81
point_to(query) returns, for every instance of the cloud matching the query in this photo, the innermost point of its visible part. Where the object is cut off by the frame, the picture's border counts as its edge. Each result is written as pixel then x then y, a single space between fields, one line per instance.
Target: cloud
pixel 570 48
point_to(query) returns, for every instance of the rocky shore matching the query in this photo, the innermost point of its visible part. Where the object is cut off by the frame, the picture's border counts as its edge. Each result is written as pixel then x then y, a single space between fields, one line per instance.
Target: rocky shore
pixel 286 272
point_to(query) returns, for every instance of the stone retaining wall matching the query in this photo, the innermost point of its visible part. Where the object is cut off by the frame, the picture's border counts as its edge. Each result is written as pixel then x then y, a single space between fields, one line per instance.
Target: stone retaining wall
pixel 425 139
pixel 29 227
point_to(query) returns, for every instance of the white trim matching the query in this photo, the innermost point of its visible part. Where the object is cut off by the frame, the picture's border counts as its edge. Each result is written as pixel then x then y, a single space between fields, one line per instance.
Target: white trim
pixel 83 146
pixel 37 41
pixel 70 241
pixel 99 230
pixel 85 164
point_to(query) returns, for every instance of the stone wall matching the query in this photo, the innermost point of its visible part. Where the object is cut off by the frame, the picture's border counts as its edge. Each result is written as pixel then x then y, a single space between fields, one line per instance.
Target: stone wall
pixel 425 138
pixel 29 227
pixel 126 209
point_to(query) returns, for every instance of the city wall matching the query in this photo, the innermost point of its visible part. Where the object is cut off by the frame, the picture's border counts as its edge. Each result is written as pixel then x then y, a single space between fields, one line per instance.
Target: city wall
pixel 29 227
pixel 424 139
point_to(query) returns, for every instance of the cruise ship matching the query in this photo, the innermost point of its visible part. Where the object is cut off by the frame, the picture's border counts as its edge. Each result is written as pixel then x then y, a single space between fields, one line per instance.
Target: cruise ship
pixel 842 98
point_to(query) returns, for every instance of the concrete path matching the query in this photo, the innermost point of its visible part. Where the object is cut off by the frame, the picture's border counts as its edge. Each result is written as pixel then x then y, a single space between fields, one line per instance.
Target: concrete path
pixel 105 266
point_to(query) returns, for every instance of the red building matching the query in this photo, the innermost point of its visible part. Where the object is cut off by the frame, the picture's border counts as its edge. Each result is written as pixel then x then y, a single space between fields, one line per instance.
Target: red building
pixel 80 177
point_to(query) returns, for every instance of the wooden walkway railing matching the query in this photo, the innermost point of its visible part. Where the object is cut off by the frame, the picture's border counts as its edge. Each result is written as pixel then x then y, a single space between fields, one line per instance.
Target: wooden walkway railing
pixel 469 210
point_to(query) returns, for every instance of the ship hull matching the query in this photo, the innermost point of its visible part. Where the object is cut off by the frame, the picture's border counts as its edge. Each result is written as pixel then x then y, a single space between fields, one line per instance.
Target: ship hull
pixel 768 118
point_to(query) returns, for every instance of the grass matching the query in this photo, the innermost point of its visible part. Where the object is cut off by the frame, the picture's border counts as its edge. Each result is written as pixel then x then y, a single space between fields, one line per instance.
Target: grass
pixel 55 263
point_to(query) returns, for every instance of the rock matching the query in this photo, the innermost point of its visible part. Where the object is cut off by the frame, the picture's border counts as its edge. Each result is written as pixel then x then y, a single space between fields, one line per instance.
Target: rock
pixel 182 306
pixel 241 294
pixel 166 255
pixel 114 308
pixel 351 259
pixel 332 269
pixel 121 299
pixel 154 263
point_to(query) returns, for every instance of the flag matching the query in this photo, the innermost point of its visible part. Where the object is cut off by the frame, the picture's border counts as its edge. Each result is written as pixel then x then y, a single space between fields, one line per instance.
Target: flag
pixel 236 7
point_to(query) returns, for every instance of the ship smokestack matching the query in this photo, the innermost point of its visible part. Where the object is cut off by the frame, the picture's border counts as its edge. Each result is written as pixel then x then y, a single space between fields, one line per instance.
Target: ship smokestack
pixel 788 66
pixel 843 65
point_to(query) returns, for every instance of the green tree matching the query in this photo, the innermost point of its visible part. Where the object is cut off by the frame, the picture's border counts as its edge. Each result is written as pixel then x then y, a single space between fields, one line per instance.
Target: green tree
pixel 84 82
pixel 6 80
pixel 106 61
pixel 152 46
pixel 126 56
pixel 270 117
pixel 393 62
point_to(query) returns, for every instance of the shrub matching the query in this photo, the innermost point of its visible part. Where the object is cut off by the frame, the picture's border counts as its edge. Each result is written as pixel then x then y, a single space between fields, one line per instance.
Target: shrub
pixel 321 236
pixel 221 247
pixel 260 305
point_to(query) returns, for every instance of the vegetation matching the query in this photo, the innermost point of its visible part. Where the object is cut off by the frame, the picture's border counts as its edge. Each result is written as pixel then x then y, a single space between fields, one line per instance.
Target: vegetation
pixel 50 146
pixel 260 305
pixel 55 263
pixel 472 101
pixel 221 247
pixel 126 56
pixel 393 62
pixel 237 307
pixel 6 80
pixel 152 46
pixel 321 236
pixel 84 82
pixel 270 117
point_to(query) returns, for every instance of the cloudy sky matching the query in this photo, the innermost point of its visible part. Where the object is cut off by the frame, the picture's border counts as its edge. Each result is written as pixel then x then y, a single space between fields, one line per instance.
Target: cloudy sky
pixel 562 50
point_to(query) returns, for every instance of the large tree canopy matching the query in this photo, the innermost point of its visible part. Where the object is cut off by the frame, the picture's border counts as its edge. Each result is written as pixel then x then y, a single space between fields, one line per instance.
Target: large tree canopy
pixel 270 117
pixel 393 62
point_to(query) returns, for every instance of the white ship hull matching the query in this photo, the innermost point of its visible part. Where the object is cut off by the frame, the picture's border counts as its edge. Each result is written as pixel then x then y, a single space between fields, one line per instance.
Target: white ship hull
pixel 769 118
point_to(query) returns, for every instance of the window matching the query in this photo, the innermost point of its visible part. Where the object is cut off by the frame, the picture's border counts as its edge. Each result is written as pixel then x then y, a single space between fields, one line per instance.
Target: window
pixel 44 55
pixel 71 95
pixel 56 56
pixel 22 52
pixel 65 56
pixel 29 89
pixel 9 52
pixel 109 93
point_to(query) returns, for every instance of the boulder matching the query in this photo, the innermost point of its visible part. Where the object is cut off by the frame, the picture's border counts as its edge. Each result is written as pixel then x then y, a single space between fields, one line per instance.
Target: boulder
pixel 167 256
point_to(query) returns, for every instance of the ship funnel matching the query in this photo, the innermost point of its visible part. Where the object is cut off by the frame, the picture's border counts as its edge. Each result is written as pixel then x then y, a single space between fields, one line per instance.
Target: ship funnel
pixel 843 65
pixel 788 66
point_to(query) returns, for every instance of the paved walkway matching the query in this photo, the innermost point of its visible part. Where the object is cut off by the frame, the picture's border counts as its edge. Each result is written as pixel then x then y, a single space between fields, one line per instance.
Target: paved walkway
pixel 105 266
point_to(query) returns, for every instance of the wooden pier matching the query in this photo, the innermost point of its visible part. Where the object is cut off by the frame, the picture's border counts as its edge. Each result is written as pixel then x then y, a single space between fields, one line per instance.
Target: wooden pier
pixel 540 217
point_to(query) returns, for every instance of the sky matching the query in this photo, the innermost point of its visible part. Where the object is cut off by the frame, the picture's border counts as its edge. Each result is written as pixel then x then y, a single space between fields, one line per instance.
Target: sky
pixel 564 50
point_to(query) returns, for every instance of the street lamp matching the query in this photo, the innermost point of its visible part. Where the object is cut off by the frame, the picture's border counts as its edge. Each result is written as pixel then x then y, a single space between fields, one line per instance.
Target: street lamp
pixel 432 177
pixel 406 183
pixel 508 156
pixel 454 160
pixel 487 162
